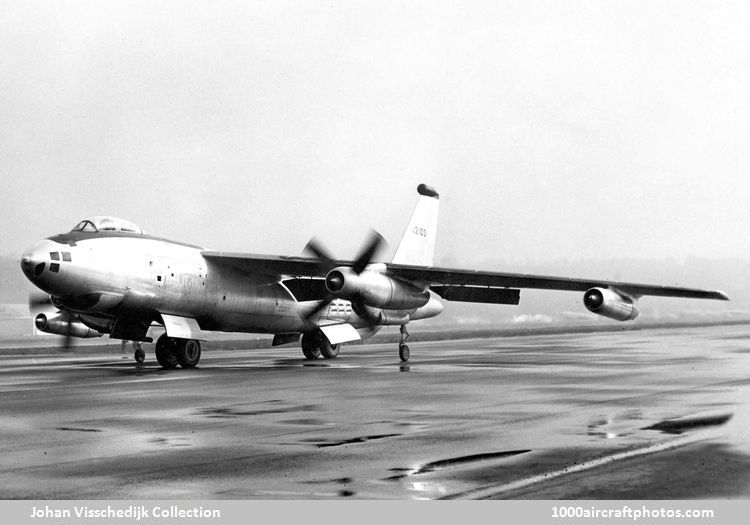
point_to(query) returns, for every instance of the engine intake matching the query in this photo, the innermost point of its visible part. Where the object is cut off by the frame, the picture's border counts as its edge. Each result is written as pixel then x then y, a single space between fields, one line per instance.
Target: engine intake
pixel 608 303
pixel 374 289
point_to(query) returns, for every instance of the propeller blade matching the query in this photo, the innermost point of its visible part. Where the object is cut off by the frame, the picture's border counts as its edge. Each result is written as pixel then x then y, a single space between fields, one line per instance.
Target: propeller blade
pixel 68 342
pixel 319 308
pixel 371 248
pixel 316 248
pixel 39 300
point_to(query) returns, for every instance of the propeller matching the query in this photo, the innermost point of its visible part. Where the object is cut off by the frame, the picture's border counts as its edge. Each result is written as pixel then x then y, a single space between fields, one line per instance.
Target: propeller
pixel 373 245
pixel 39 302
pixel 68 341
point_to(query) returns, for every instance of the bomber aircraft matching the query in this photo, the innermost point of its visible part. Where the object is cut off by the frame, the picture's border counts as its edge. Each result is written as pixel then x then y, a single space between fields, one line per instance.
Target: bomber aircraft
pixel 107 276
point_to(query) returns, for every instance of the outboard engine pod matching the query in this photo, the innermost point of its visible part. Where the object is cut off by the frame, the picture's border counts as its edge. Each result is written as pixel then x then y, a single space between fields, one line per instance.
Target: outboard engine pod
pixel 608 303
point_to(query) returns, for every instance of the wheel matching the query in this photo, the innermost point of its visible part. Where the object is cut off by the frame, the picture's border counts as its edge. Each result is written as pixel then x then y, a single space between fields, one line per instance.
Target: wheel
pixel 165 352
pixel 403 352
pixel 311 354
pixel 140 355
pixel 188 352
pixel 328 350
pixel 311 345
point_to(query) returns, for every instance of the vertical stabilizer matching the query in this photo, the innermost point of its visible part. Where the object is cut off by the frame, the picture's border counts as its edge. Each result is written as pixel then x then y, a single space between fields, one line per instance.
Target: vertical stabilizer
pixel 417 246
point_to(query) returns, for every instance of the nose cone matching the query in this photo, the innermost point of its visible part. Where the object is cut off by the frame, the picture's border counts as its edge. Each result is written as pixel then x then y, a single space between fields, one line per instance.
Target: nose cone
pixel 34 261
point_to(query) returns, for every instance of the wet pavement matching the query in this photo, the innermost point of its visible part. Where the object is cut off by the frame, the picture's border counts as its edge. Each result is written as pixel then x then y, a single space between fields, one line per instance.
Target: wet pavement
pixel 650 414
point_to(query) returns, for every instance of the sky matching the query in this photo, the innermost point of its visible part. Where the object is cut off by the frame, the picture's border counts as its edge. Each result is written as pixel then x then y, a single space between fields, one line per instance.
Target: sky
pixel 552 130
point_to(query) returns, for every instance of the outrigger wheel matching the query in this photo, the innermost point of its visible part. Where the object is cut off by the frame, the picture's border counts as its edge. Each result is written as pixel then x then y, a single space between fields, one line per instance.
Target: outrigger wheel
pixel 403 348
pixel 403 352
pixel 140 355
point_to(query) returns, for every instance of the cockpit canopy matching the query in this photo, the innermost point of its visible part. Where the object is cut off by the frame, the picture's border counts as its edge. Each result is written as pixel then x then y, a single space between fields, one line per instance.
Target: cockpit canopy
pixel 102 223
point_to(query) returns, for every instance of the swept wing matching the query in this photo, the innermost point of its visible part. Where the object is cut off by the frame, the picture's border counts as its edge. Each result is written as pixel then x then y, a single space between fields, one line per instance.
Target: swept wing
pixel 443 278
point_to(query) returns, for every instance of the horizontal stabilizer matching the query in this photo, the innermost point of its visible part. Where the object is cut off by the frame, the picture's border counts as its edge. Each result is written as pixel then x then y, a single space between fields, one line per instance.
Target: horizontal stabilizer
pixel 182 327
pixel 476 294
pixel 340 333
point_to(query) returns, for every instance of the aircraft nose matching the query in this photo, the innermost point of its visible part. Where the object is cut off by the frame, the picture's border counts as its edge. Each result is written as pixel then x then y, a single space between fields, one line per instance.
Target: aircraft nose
pixel 33 263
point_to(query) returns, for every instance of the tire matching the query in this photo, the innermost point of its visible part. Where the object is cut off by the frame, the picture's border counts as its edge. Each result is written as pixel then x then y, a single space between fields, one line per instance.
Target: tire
pixel 188 352
pixel 140 356
pixel 311 345
pixel 165 352
pixel 403 352
pixel 328 350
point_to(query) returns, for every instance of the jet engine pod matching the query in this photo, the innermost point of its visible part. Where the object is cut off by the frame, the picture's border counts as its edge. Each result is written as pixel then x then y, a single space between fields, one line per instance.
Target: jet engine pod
pixel 61 325
pixel 606 302
pixel 374 289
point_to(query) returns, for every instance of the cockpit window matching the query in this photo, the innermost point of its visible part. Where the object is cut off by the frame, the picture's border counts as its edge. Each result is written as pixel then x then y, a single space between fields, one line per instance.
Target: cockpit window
pixel 103 223
pixel 85 226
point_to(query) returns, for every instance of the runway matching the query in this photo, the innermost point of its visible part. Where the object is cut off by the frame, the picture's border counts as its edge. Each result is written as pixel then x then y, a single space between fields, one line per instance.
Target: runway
pixel 649 414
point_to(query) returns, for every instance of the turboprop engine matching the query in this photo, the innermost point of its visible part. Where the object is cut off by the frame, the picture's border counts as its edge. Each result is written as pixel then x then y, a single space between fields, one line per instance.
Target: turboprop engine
pixel 606 302
pixel 374 289
pixel 61 325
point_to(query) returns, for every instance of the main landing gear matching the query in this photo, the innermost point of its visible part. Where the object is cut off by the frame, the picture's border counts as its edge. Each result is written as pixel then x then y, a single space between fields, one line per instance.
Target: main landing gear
pixel 403 348
pixel 315 344
pixel 171 352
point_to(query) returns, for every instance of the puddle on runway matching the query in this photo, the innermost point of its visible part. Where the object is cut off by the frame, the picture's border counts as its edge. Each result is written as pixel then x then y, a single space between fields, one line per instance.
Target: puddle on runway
pixel 75 429
pixel 463 460
pixel 682 425
pixel 459 461
pixel 362 439
pixel 620 425
pixel 305 422
pixel 170 442
pixel 232 412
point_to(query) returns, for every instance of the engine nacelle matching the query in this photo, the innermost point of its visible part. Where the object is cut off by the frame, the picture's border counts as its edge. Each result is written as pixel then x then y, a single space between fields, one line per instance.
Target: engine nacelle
pixel 374 289
pixel 379 316
pixel 58 325
pixel 606 302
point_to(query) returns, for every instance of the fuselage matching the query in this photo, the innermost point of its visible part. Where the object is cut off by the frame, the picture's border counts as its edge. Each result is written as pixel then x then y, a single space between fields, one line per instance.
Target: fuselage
pixel 102 276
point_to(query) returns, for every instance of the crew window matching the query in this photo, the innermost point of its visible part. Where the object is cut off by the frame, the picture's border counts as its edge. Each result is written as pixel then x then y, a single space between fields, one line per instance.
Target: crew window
pixel 85 226
pixel 54 267
pixel 66 256
pixel 55 256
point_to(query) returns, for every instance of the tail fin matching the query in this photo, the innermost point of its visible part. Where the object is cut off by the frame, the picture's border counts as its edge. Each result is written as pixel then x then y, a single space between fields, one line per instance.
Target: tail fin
pixel 417 246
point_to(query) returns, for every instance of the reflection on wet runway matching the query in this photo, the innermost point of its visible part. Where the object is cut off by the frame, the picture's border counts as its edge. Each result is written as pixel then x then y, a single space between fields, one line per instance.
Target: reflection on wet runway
pixel 602 415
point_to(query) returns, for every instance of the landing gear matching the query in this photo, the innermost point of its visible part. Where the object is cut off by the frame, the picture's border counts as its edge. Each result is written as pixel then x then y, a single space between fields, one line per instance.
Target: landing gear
pixel 188 352
pixel 171 352
pixel 139 354
pixel 328 350
pixel 316 343
pixel 165 353
pixel 403 348
pixel 311 345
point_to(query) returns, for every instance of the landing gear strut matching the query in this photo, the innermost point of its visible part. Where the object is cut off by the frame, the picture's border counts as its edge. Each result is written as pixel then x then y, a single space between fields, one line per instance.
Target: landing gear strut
pixel 315 344
pixel 403 348
pixel 171 352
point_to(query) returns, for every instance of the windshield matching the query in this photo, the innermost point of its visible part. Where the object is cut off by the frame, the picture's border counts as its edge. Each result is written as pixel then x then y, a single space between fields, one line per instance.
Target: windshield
pixel 102 223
